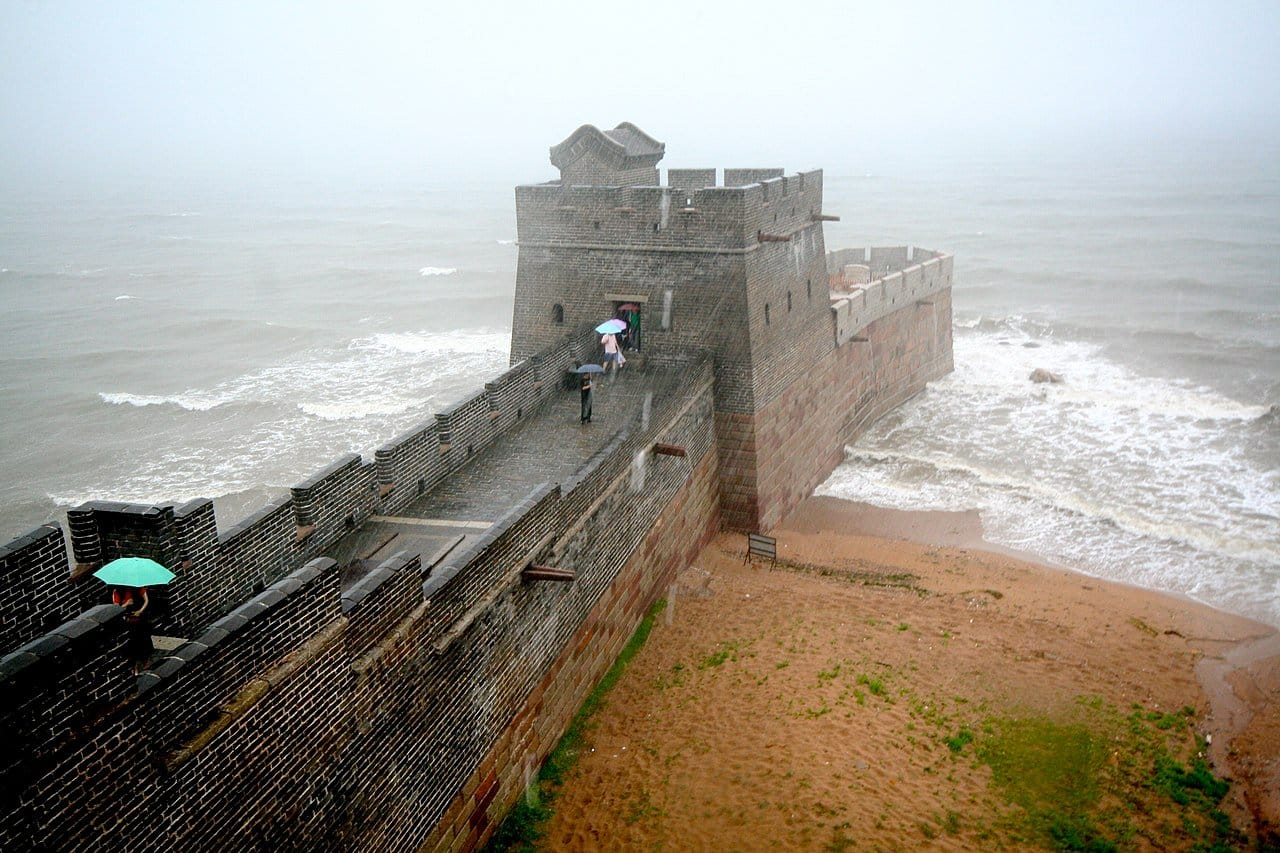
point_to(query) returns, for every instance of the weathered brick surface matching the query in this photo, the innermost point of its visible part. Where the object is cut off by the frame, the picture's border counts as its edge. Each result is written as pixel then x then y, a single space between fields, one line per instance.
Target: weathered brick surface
pixel 801 436
pixel 308 717
pixel 399 706
pixel 35 589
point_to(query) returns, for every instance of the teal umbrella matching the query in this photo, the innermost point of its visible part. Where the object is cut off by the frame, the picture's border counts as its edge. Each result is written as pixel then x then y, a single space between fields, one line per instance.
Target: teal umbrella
pixel 134 571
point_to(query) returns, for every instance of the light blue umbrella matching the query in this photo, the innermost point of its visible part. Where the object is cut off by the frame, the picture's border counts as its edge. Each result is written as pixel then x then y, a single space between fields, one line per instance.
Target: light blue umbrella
pixel 611 327
pixel 135 572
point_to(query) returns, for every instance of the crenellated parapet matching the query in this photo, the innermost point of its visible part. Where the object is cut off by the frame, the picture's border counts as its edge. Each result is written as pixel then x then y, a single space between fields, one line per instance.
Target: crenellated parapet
pixel 671 218
pixel 308 693
pixel 215 568
pixel 353 697
pixel 868 285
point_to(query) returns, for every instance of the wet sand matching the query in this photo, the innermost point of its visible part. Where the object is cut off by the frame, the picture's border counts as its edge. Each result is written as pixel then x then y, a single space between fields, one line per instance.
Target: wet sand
pixel 790 708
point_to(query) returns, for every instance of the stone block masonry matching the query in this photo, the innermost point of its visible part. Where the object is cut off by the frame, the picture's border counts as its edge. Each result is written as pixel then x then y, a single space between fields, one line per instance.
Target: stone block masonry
pixel 365 665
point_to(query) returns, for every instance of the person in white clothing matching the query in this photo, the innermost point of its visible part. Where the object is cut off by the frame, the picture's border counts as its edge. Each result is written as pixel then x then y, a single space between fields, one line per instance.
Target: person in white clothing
pixel 611 352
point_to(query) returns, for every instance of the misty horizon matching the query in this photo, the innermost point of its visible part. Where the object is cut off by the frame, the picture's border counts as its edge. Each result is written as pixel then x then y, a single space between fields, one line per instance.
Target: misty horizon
pixel 393 91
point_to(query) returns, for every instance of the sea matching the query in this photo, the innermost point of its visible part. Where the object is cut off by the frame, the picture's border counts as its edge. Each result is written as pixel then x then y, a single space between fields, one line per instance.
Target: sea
pixel 228 336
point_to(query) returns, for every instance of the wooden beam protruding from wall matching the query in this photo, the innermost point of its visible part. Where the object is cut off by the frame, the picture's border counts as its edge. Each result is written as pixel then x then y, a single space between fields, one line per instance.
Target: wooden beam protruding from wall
pixel 823 217
pixel 772 238
pixel 662 449
pixel 548 573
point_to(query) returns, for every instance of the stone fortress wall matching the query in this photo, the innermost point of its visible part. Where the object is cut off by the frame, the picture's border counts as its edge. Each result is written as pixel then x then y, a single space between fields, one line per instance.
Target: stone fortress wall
pixel 407 709
pixel 307 715
pixel 739 270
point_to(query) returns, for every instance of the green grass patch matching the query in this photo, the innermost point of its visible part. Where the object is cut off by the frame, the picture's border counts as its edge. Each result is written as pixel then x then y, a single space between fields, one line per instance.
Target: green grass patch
pixel 725 651
pixel 523 825
pixel 874 685
pixel 959 740
pixel 1093 779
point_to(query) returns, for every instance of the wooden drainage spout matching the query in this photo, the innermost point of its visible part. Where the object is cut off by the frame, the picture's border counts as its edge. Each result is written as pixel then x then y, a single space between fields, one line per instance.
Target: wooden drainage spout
pixel 823 217
pixel 548 573
pixel 661 449
pixel 772 238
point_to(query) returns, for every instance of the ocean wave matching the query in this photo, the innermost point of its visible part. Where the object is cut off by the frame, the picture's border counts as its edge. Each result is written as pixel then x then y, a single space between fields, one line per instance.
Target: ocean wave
pixel 995 357
pixel 474 342
pixel 124 296
pixel 190 402
pixel 1009 324
pixel 359 409
pixel 428 271
pixel 1053 497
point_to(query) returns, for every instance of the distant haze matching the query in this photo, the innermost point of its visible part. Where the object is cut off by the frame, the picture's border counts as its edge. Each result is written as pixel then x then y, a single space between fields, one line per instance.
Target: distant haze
pixel 483 89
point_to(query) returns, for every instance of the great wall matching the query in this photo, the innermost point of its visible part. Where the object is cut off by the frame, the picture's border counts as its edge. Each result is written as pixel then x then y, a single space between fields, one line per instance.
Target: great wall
pixel 378 659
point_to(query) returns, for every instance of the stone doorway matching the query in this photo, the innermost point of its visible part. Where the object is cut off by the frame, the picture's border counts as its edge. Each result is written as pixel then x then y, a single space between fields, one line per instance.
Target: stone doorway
pixel 632 312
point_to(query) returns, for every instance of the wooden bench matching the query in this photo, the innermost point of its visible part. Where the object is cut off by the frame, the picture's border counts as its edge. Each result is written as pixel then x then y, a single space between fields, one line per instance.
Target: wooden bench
pixel 759 545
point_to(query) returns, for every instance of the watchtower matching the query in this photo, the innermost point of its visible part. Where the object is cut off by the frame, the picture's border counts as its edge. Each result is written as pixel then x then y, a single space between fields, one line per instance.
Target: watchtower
pixel 737 270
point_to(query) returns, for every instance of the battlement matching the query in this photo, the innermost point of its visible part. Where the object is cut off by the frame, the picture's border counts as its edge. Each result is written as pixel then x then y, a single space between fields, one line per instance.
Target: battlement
pixel 868 284
pixel 217 569
pixel 311 692
pixel 317 674
pixel 681 216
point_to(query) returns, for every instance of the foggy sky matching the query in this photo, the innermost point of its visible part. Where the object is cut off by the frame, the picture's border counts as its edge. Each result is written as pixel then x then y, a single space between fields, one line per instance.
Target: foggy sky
pixel 471 89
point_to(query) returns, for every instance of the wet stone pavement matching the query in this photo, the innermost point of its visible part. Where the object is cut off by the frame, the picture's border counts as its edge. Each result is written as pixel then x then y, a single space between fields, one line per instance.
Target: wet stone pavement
pixel 547 447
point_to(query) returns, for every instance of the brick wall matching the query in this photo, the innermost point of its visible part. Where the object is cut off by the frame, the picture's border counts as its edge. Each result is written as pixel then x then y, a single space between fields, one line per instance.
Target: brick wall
pixel 35 589
pixel 216 570
pixel 305 718
pixel 771 461
pixel 683 528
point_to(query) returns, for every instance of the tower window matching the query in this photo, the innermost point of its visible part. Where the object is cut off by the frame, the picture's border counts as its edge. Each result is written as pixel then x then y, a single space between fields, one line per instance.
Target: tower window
pixel 596 225
pixel 808 289
pixel 766 313
pixel 788 301
pixel 557 312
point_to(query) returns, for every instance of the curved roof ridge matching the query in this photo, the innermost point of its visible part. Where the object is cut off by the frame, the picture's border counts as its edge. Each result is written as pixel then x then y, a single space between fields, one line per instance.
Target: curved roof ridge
pixel 624 142
pixel 631 134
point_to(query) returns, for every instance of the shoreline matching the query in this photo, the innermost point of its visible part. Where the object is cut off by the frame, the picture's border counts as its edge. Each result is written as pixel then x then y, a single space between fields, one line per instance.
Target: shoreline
pixel 951 529
pixel 736 717
pixel 1221 675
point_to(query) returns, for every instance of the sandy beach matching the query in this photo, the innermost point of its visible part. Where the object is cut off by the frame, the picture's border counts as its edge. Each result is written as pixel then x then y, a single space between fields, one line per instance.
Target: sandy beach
pixel 880 687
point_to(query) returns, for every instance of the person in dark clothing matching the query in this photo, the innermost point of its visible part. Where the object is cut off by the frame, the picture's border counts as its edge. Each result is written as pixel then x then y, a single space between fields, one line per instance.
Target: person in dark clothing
pixel 135 602
pixel 586 398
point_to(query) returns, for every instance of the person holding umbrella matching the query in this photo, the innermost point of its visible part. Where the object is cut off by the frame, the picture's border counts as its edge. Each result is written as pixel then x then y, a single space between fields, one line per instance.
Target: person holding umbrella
pixel 609 330
pixel 585 387
pixel 129 578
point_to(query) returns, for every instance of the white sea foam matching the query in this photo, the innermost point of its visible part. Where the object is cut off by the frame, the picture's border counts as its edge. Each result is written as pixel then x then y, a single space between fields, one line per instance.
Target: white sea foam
pixel 363 408
pixel 506 242
pixel 427 271
pixel 190 402
pixel 1136 478
pixel 124 296
pixel 461 341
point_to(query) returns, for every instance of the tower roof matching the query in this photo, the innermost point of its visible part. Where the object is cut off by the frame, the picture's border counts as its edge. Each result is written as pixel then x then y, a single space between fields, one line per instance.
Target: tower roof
pixel 624 147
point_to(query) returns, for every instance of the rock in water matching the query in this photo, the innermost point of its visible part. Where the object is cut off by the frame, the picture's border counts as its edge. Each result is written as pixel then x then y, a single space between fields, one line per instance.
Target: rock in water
pixel 1042 375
